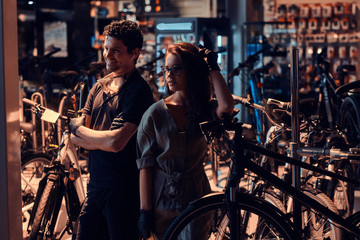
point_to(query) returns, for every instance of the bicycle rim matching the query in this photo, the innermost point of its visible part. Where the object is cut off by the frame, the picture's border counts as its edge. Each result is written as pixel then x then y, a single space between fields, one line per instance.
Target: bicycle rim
pixel 209 219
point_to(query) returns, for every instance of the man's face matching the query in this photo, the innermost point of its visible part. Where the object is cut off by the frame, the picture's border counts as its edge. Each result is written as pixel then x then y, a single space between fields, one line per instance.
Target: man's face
pixel 116 56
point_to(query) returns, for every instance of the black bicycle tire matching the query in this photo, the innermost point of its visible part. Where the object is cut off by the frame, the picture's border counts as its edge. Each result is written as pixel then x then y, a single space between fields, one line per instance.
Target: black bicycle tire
pixel 245 201
pixel 41 210
pixel 326 201
pixel 350 108
pixel 26 160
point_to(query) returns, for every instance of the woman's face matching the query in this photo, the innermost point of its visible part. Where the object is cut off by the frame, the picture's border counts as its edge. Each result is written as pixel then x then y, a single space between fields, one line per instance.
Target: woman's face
pixel 175 73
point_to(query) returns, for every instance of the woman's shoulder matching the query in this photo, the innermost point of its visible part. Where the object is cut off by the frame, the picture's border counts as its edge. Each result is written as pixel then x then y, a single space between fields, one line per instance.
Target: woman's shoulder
pixel 157 107
pixel 155 113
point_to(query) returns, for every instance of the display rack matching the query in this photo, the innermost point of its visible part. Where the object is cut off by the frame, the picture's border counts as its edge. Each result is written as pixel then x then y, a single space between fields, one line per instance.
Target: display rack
pixel 315 25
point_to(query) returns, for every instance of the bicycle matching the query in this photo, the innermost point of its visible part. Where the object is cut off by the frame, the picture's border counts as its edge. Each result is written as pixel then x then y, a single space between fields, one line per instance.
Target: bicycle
pixel 339 127
pixel 278 199
pixel 340 192
pixel 62 180
pixel 325 128
pixel 236 214
pixel 254 94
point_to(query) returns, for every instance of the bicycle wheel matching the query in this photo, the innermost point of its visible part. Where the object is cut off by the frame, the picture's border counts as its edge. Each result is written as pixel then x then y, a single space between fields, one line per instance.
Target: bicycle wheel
pixel 350 119
pixel 315 225
pixel 44 212
pixel 32 171
pixel 210 214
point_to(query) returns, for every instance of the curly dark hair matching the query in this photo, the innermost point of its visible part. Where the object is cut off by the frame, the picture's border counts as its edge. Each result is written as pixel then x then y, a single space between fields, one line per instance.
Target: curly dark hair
pixel 197 80
pixel 127 31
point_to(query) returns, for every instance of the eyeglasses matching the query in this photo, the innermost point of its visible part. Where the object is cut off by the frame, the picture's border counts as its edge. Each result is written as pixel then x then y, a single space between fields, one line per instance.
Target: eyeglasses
pixel 176 69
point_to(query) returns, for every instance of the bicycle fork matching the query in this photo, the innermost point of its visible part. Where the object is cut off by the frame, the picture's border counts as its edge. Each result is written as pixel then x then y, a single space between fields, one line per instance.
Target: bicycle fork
pixel 235 218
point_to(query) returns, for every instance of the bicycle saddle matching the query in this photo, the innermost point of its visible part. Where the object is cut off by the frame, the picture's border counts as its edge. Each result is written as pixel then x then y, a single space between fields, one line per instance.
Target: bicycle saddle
pixel 347 87
pixel 346 68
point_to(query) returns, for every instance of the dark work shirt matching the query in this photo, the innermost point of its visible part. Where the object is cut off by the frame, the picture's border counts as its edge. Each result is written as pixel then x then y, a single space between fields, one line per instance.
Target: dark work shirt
pixel 108 169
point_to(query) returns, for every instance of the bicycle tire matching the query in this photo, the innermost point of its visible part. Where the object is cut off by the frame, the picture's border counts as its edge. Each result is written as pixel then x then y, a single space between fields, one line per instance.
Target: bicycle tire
pixel 315 225
pixel 342 192
pixel 32 170
pixel 215 205
pixel 43 212
pixel 350 119
pixel 272 198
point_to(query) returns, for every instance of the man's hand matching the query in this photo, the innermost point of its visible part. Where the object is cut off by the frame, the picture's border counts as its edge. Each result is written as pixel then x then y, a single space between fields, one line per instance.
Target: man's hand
pixel 210 57
pixel 145 223
pixel 75 123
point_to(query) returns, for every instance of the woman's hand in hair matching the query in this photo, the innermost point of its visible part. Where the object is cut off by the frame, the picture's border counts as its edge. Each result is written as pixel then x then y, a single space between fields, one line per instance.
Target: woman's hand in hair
pixel 210 57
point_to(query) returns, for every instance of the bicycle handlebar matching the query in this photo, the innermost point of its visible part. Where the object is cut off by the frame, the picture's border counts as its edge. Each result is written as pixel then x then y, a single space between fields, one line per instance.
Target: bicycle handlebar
pixel 265 109
pixel 247 103
pixel 40 108
pixel 251 59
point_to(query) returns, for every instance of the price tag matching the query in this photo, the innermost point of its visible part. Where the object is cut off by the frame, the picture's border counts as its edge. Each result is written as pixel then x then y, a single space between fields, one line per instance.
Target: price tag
pixel 50 116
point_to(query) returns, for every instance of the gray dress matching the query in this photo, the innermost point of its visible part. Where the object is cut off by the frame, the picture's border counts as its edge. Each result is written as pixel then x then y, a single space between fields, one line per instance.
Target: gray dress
pixel 177 162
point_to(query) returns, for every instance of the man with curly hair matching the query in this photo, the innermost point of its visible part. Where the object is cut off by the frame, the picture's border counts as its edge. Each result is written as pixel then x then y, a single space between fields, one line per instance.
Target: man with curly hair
pixel 107 128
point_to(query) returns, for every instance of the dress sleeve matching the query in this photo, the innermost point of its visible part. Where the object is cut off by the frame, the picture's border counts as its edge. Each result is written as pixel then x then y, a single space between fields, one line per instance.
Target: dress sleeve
pixel 146 142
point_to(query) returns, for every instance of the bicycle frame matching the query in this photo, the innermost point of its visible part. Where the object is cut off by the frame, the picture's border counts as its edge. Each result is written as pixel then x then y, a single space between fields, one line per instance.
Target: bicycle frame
pixel 256 98
pixel 68 156
pixel 328 90
pixel 241 162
